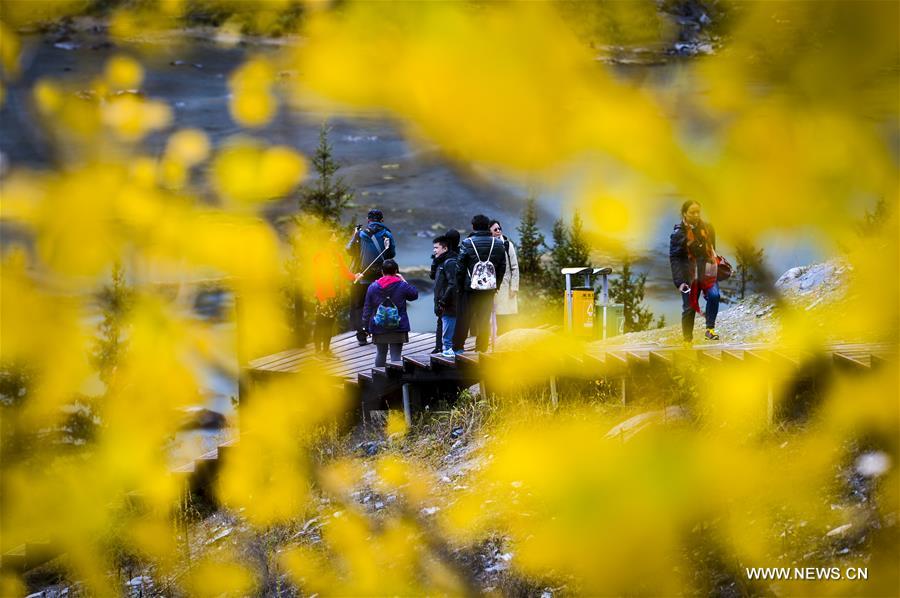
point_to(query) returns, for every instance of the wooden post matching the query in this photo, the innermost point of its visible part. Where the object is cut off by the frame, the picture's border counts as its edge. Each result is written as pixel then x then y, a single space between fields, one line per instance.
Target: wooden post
pixel 366 414
pixel 554 397
pixel 411 402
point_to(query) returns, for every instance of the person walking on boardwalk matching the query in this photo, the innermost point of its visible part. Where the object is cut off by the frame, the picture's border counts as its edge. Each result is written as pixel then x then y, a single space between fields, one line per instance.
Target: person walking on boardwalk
pixel 384 312
pixel 369 247
pixel 506 304
pixel 481 266
pixel 444 267
pixel 692 256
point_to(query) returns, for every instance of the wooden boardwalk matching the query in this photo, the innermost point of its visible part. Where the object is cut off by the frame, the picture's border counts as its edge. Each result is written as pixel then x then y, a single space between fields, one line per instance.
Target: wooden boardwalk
pixel 423 375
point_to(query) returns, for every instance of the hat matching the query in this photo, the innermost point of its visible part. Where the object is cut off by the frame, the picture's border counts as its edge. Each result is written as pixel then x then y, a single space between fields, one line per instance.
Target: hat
pixel 376 215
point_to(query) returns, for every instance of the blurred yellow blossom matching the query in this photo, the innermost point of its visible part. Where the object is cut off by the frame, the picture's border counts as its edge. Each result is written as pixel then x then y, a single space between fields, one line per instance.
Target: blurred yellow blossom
pixel 131 118
pixel 188 146
pixel 252 102
pixel 246 171
pixel 124 72
pixel 215 577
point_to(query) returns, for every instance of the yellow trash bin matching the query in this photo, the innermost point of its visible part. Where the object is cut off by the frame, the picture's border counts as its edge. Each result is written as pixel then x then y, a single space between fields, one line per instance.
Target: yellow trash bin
pixel 582 312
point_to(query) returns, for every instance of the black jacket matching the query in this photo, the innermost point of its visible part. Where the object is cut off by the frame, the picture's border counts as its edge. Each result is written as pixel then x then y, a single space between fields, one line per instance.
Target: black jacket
pixel 445 288
pixel 467 258
pixel 680 253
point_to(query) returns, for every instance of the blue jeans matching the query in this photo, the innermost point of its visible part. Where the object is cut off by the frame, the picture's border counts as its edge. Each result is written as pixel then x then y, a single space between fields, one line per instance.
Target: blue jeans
pixel 688 313
pixel 448 325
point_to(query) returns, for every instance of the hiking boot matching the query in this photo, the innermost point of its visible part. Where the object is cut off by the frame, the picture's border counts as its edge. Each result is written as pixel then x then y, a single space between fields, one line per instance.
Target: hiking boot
pixel 711 334
pixel 448 353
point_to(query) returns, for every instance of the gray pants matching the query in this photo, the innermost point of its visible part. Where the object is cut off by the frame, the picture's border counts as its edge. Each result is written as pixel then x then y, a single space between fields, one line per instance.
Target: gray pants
pixel 381 351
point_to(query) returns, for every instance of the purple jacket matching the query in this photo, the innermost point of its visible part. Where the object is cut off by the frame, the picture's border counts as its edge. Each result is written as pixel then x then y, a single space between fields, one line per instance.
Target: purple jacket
pixel 399 291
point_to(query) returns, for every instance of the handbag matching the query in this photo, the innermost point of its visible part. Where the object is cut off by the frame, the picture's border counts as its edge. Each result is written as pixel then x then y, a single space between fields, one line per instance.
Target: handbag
pixel 724 269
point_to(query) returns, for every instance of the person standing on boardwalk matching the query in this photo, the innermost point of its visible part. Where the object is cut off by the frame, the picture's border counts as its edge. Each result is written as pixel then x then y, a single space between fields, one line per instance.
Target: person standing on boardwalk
pixel 328 268
pixel 444 266
pixel 692 256
pixel 452 239
pixel 384 312
pixel 481 266
pixel 369 247
pixel 506 304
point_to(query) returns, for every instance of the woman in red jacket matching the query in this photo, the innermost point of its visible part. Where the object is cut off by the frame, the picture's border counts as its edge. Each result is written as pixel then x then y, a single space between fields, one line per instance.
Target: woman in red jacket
pixel 692 256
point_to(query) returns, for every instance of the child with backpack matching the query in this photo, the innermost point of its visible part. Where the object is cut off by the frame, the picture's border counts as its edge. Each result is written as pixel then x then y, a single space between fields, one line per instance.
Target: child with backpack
pixel 384 312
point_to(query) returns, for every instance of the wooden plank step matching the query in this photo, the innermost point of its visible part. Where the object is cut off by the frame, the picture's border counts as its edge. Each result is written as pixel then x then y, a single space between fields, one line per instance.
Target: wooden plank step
pixel 619 358
pixel 758 356
pixel 635 358
pixel 661 357
pixel 442 362
pixel 468 358
pixel 709 356
pixel 879 359
pixel 852 362
pixel 421 361
pixel 732 355
pixel 791 360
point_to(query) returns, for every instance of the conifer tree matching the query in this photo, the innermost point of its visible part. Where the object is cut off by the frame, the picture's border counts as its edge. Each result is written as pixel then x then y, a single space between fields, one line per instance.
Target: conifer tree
pixel 115 300
pixel 628 290
pixel 328 195
pixel 570 248
pixel 531 244
pixel 749 266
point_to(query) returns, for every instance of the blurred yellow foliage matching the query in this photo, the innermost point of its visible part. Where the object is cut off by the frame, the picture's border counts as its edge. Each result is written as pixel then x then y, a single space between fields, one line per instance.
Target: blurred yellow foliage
pixel 252 102
pixel 124 72
pixel 10 47
pixel 268 473
pixel 396 424
pixel 247 172
pixel 391 559
pixel 132 118
pixel 215 577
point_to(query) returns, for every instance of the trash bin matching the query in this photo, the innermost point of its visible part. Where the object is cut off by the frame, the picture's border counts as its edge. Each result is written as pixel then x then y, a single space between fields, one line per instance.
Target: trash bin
pixel 580 305
pixel 615 319
pixel 582 312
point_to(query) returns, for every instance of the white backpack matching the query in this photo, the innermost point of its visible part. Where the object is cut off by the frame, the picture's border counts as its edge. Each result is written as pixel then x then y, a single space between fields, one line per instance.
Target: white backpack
pixel 483 274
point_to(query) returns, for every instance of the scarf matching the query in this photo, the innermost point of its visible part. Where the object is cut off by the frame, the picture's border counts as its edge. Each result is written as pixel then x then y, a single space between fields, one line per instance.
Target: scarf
pixel 705 281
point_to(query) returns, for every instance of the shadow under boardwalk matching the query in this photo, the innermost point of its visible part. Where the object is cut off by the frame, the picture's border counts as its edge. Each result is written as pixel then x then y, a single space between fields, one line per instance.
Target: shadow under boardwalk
pixel 425 376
